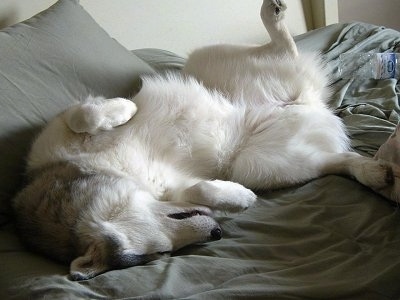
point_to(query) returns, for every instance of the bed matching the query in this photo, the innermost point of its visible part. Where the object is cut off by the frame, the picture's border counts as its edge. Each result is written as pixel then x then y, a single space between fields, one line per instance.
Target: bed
pixel 330 238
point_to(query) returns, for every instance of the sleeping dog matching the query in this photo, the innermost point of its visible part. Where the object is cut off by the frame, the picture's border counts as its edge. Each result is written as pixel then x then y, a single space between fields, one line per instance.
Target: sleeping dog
pixel 116 183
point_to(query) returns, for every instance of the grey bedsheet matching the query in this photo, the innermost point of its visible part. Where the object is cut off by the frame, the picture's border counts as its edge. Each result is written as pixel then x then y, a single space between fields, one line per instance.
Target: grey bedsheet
pixel 330 238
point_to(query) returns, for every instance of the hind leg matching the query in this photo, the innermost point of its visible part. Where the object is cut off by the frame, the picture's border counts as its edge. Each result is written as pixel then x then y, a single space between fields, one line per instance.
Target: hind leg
pixel 97 114
pixel 368 171
pixel 260 171
pixel 272 15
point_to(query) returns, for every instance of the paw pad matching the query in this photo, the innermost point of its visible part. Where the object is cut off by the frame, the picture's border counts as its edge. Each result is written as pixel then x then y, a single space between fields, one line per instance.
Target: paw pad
pixel 272 10
pixel 278 6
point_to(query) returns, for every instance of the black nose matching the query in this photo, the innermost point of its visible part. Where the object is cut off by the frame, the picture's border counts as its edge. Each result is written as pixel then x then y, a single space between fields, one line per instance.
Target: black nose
pixel 216 233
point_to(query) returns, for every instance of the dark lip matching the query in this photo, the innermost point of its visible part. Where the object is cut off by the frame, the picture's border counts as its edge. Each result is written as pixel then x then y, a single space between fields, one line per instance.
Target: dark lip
pixel 187 214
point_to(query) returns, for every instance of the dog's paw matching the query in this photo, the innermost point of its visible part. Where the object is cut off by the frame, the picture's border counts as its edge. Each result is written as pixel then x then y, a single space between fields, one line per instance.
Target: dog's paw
pixel 97 114
pixel 228 196
pixel 273 10
pixel 373 173
pixel 116 112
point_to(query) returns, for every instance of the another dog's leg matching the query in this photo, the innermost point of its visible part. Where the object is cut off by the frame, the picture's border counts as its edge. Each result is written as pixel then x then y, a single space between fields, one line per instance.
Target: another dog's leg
pixel 216 194
pixel 96 114
pixel 272 15
pixel 365 170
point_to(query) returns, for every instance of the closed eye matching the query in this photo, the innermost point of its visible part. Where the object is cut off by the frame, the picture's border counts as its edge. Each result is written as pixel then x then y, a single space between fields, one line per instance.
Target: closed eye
pixel 187 214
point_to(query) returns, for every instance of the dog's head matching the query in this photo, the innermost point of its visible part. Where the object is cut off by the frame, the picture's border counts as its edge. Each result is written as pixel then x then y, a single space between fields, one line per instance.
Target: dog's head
pixel 102 222
pixel 138 231
pixel 126 226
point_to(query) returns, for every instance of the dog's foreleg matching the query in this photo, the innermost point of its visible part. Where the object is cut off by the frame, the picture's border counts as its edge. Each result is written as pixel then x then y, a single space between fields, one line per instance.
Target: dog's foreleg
pixel 96 114
pixel 272 15
pixel 218 195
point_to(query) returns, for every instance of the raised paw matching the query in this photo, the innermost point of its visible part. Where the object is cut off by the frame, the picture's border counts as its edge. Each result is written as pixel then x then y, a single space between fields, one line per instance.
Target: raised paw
pixel 272 10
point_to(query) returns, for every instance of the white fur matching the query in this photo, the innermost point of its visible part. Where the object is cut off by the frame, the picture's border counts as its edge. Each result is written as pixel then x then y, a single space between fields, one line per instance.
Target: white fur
pixel 240 118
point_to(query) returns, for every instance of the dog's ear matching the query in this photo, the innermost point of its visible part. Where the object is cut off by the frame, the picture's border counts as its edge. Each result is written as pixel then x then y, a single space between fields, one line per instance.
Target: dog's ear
pixel 89 265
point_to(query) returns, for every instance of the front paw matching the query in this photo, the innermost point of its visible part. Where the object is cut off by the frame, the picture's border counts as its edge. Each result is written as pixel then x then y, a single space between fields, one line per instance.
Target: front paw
pixel 116 112
pixel 230 196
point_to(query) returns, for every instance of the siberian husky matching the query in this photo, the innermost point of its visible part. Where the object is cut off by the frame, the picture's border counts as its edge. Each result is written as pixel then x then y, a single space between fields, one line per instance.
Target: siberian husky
pixel 117 183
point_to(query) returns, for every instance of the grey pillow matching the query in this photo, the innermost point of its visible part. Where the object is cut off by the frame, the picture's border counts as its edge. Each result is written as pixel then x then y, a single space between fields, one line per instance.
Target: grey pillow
pixel 46 62
pixel 161 60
